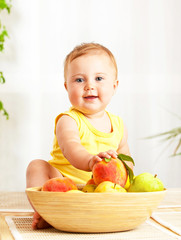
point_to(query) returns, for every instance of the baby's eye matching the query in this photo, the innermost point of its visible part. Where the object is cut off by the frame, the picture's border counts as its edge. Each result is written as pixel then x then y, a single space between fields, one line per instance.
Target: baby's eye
pixel 79 80
pixel 99 78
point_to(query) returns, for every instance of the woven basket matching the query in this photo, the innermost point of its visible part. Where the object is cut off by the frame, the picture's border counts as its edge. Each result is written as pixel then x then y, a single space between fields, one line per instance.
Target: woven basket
pixel 94 212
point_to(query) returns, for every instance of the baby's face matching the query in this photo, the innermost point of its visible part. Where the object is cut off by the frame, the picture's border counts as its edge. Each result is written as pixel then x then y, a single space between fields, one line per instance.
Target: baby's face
pixel 91 82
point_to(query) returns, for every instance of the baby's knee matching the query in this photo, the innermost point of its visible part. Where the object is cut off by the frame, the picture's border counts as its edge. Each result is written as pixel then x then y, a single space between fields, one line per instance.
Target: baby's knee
pixel 34 165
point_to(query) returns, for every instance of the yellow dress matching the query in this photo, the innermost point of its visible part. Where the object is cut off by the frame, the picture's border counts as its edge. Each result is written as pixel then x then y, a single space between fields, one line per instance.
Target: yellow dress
pixel 93 140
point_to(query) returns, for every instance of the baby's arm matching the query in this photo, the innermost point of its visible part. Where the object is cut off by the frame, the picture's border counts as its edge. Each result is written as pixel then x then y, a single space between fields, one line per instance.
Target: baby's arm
pixel 124 148
pixel 69 141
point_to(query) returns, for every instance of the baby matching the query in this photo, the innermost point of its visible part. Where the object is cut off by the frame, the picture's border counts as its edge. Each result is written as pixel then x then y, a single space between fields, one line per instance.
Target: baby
pixel 86 133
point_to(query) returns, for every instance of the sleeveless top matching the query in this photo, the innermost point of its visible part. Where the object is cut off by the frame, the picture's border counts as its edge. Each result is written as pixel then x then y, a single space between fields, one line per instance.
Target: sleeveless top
pixel 92 139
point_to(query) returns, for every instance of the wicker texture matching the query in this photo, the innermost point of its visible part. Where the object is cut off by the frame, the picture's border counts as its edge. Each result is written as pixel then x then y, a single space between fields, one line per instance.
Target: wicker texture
pixel 4 233
pixel 21 229
pixel 14 201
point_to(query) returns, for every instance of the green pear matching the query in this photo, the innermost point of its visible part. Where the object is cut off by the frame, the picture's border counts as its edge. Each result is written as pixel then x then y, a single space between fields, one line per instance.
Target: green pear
pixel 146 182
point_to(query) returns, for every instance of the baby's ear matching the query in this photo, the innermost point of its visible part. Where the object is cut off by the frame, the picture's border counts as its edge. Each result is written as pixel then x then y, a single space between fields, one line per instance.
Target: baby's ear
pixel 65 85
pixel 116 83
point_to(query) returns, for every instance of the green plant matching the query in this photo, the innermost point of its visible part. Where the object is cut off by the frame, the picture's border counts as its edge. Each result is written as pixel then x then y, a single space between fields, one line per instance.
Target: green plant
pixel 2 109
pixel 3 35
pixel 173 135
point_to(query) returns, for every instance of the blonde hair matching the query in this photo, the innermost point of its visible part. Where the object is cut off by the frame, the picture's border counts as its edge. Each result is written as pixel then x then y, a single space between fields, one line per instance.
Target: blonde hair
pixel 84 49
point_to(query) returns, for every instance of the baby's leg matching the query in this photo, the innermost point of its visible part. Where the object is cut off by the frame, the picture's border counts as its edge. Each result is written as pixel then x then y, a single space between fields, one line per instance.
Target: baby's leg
pixel 38 172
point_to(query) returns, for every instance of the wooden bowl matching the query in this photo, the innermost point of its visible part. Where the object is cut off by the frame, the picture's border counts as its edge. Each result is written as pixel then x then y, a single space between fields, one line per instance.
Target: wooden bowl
pixel 94 212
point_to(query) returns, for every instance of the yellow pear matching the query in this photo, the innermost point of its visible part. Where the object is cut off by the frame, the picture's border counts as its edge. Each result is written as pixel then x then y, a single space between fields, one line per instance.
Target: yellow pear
pixel 89 188
pixel 127 185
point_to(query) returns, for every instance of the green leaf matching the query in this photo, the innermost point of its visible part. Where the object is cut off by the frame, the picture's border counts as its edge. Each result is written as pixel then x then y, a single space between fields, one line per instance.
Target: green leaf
pixel 178 154
pixel 4 111
pixel 1 47
pixel 130 172
pixel 1 106
pixel 170 136
pixel 5 5
pixel 174 155
pixel 174 135
pixel 6 114
pixel 2 79
pixel 127 158
pixel 107 159
pixel 177 147
pixel 173 132
pixel 3 34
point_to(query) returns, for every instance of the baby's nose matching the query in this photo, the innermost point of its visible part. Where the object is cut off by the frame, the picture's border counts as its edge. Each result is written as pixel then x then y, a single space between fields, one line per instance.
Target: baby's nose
pixel 89 86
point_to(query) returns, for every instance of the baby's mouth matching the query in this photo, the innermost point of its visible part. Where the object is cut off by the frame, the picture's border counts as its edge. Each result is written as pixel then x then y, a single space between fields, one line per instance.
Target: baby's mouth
pixel 91 97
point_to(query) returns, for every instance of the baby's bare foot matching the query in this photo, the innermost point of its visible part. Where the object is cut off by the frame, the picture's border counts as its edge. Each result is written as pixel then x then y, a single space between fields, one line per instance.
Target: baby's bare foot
pixel 39 222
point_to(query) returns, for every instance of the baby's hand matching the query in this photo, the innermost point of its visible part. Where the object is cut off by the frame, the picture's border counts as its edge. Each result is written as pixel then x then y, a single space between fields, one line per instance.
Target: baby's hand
pixel 100 156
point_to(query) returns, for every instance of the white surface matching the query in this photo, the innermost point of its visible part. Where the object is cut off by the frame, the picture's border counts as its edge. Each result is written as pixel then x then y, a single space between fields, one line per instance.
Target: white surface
pixel 145 38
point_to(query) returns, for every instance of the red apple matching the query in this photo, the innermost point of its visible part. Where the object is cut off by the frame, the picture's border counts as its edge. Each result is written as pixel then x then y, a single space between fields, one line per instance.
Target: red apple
pixel 113 170
pixel 90 181
pixel 59 185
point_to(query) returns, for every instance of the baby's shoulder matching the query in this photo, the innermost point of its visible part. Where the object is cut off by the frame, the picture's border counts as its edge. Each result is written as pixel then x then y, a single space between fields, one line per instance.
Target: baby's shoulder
pixel 115 118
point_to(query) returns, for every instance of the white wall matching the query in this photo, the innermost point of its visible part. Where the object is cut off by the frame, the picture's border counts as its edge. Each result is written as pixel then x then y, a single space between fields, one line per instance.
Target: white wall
pixel 145 38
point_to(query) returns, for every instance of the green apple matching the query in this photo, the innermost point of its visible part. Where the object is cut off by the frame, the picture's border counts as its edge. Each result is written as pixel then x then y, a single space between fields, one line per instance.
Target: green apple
pixel 146 182
pixel 108 186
